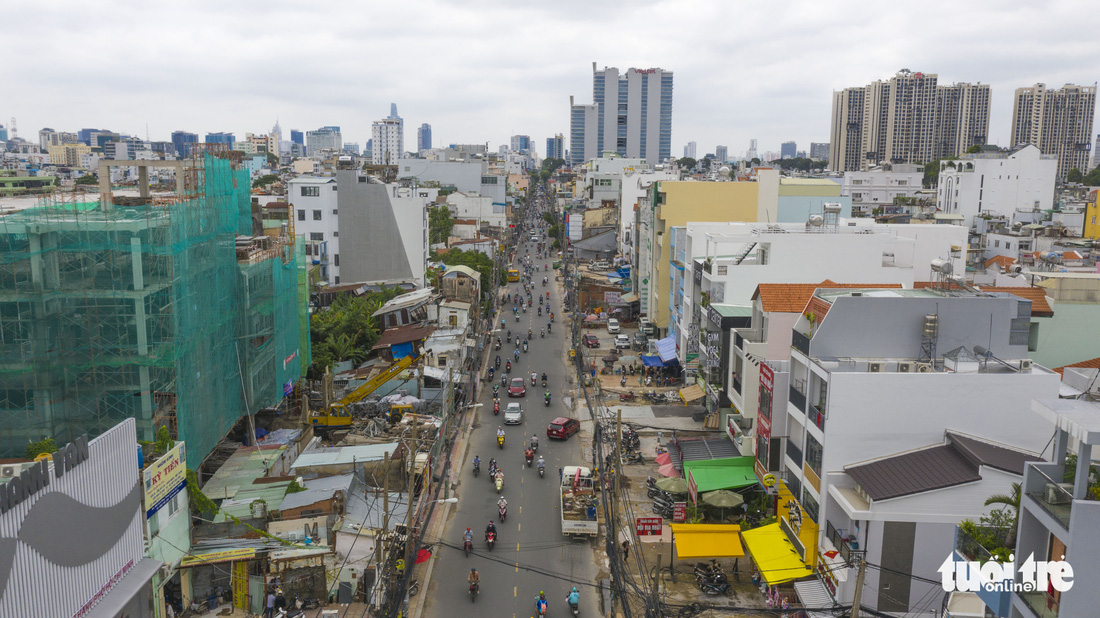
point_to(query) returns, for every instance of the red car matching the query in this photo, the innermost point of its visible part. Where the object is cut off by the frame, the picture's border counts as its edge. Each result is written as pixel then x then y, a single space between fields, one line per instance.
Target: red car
pixel 590 341
pixel 562 427
pixel 517 388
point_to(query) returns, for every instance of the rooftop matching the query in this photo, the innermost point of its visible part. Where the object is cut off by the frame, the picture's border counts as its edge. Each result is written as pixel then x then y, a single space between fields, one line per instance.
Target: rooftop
pixel 239 471
pixel 344 455
pixel 1092 363
pixel 1078 417
pixel 406 300
pixel 318 489
pixel 792 297
pixel 402 334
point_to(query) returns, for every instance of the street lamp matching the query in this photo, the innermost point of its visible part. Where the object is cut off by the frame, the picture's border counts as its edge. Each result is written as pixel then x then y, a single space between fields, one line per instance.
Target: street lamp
pixel 447 501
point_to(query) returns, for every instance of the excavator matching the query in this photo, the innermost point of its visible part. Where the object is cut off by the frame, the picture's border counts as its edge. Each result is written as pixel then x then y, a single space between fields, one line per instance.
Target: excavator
pixel 338 415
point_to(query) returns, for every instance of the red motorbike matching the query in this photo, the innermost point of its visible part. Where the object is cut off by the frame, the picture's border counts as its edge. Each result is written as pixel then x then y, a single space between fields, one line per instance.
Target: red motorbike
pixel 496 407
pixel 491 539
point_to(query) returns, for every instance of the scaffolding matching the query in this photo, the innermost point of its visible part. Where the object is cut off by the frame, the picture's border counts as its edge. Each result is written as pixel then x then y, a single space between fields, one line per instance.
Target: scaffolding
pixel 121 307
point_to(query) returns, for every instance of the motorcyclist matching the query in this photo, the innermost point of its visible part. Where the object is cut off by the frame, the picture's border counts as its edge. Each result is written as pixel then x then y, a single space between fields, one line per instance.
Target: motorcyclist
pixel 500 431
pixel 541 464
pixel 477 461
pixel 516 354
pixel 529 334
pixel 492 465
pixel 574 597
pixel 468 535
pixel 502 503
pixel 490 528
pixel 544 378
pixel 540 603
pixel 548 393
pixel 535 443
pixel 474 579
pixel 529 455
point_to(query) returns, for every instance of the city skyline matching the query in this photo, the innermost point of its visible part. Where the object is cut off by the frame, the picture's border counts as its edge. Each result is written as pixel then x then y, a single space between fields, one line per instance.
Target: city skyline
pixel 781 67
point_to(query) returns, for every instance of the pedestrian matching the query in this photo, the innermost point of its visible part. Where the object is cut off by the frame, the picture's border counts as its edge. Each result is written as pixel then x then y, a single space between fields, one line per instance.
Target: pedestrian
pixel 560 473
pixel 269 611
pixel 280 599
pixel 626 549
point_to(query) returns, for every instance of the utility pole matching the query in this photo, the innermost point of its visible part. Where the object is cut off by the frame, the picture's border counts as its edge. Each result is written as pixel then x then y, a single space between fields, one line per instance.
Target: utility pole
pixel 859 588
pixel 618 448
pixel 380 544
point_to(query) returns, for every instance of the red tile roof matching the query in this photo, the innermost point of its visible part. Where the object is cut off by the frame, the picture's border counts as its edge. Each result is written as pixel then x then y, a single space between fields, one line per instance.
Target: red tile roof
pixel 792 297
pixel 1093 363
pixel 1002 260
pixel 1040 307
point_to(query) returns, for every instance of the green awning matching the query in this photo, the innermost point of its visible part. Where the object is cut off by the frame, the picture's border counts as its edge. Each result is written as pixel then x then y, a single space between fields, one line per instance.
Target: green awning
pixel 725 473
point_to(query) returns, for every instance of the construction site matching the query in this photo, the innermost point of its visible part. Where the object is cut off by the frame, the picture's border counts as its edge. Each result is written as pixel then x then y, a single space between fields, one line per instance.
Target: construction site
pixel 174 307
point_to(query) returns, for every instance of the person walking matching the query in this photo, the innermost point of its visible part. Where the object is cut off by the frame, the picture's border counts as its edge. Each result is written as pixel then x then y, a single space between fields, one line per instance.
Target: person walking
pixel 626 549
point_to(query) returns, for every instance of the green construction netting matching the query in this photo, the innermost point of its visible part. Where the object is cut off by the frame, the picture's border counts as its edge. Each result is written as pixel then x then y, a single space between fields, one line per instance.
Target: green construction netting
pixel 108 314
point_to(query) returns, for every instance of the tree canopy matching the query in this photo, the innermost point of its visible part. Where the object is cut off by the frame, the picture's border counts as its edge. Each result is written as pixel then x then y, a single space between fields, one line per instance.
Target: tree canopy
pixel 440 224
pixel 800 164
pixel 476 260
pixel 87 179
pixel 346 330
pixel 1092 179
pixel 265 180
pixel 686 163
pixel 974 149
pixel 1074 175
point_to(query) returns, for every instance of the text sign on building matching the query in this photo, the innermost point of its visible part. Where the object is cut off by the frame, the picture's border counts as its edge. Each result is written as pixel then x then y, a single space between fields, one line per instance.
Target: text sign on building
pixel 693 489
pixel 648 526
pixel 679 512
pixel 612 298
pixel 165 478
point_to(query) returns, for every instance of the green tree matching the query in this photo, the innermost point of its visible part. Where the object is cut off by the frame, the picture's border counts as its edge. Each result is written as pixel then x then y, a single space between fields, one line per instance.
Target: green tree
pixel 440 224
pixel 1092 179
pixel 87 179
pixel 551 164
pixel 347 329
pixel 265 180
pixel 34 449
pixel 1074 175
pixel 754 161
pixel 974 149
pixel 1011 506
pixel 476 260
pixel 549 218
pixel 272 160
pixel 686 163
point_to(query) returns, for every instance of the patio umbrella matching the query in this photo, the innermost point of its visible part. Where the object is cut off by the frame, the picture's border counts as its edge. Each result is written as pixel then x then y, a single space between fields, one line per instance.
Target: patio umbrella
pixel 669 470
pixel 663 458
pixel 673 485
pixel 592 317
pixel 723 498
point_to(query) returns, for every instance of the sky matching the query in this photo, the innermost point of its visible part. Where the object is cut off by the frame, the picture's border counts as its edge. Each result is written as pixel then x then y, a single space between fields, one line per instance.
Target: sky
pixel 480 71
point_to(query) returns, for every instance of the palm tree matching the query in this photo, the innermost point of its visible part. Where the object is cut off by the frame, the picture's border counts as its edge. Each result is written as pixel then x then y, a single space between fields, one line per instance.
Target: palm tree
pixel 1011 502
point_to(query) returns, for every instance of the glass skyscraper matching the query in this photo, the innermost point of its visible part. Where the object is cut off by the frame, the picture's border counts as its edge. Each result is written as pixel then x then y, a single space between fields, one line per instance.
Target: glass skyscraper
pixel 642 129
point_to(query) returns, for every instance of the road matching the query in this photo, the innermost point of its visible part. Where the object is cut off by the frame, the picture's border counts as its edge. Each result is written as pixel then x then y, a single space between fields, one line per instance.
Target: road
pixel 531 555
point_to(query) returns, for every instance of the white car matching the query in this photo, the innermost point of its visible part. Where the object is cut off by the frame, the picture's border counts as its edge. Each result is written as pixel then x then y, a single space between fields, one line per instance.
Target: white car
pixel 622 342
pixel 613 326
pixel 513 414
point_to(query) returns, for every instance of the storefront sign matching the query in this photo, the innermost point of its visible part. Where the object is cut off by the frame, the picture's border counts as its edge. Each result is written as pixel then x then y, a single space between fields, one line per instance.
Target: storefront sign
pixel 240 584
pixel 228 555
pixel 767 377
pixel 679 512
pixel 286 361
pixel 693 489
pixel 104 589
pixel 648 526
pixel 36 476
pixel 165 478
pixel 612 298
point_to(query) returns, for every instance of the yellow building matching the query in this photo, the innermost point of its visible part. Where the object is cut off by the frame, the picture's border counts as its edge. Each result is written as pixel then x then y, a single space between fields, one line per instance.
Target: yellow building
pixel 675 203
pixel 68 154
pixel 1092 211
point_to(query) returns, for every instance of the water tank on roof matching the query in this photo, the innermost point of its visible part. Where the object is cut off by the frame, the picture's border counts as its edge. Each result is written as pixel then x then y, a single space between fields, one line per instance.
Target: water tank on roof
pixel 942 266
pixel 832 208
pixel 816 220
pixel 931 326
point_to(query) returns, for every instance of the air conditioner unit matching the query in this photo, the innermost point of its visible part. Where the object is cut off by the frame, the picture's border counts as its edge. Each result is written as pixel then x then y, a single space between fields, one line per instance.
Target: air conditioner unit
pixel 925 368
pixel 9 470
pixel 1025 364
pixel 874 367
pixel 905 367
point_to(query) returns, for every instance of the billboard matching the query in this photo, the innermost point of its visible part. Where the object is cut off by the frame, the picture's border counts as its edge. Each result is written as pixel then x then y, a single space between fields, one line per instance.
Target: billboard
pixel 165 478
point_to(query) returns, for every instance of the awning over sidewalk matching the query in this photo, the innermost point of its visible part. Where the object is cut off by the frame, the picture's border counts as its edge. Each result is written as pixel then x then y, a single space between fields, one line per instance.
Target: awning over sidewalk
pixel 666 348
pixel 727 473
pixel 707 541
pixel 652 361
pixel 775 557
pixel 813 595
pixel 691 393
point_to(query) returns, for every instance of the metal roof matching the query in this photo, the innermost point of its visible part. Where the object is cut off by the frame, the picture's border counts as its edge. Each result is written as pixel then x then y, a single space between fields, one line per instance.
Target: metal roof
pixel 317 490
pixel 700 449
pixel 364 509
pixel 914 472
pixel 240 470
pixel 240 505
pixel 342 455
pixel 993 455
pixel 408 299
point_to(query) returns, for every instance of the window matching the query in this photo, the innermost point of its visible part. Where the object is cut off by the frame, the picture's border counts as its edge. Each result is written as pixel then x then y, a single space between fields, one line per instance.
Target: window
pixel 722 270
pixel 762 450
pixel 814 453
pixel 318 236
pixel 336 259
pixel 765 409
pixel 335 234
pixel 333 187
pixel 301 215
pixel 309 249
pixel 316 215
pixel 335 212
pixel 336 280
pixel 311 191
pixel 809 505
pixel 996 243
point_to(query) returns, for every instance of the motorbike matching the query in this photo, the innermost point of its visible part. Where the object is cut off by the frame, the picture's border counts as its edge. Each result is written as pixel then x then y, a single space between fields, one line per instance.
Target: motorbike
pixel 467 546
pixel 516 354
pixel 292 613
pixel 530 456
pixel 575 608
pixel 548 400
pixel 524 346
pixel 540 607
pixel 499 483
pixel 542 472
pixel 496 408
pixel 503 511
pixel 504 379
pixel 540 311
pixel 508 367
pixel 473 592
pixel 627 396
pixel 490 539
pixel 517 317
pixel 477 468
pixel 497 362
pixel 498 343
pixel 544 382
pixel 712 588
pixel 301 603
pixel 491 372
pixel 542 333
pixel 533 378
pixel 500 441
pixel 622 382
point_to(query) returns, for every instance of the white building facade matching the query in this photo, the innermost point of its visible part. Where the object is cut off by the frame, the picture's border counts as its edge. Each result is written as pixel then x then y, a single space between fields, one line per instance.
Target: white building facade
pixel 313 204
pixel 997 183
pixel 879 186
pixel 388 141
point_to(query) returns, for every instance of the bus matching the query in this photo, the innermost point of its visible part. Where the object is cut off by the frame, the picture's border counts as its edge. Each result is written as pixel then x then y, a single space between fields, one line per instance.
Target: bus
pixel 513 274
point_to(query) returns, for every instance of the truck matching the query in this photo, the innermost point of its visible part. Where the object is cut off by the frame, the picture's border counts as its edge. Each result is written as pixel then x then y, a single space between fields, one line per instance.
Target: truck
pixel 580 509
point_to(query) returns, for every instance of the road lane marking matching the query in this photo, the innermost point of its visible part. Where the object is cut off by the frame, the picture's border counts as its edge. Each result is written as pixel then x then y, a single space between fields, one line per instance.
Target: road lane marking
pixel 519 527
pixel 515 591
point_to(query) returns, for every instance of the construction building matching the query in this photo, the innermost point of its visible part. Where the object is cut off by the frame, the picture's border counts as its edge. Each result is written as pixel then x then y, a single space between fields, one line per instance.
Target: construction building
pixel 169 309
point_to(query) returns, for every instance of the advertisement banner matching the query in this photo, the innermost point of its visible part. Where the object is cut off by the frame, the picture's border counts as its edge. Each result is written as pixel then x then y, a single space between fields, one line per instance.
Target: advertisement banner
pixel 240 585
pixel 679 512
pixel 612 298
pixel 693 489
pixel 648 526
pixel 165 478
pixel 227 555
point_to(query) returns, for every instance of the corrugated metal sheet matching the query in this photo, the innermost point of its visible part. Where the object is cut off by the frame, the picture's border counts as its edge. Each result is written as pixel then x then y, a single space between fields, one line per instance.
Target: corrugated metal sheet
pixel 38 587
pixel 341 455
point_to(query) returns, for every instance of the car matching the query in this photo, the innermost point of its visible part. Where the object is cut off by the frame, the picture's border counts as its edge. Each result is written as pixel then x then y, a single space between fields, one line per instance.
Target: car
pixel 648 328
pixel 513 414
pixel 641 342
pixel 590 341
pixel 613 326
pixel 561 428
pixel 517 388
pixel 622 342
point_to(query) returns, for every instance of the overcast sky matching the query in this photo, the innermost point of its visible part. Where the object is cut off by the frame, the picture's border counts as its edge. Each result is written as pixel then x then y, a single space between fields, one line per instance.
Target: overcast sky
pixel 480 71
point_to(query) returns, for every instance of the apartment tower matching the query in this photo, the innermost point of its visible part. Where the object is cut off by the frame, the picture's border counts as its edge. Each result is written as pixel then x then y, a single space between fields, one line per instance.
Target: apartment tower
pixel 633 115
pixel 1058 122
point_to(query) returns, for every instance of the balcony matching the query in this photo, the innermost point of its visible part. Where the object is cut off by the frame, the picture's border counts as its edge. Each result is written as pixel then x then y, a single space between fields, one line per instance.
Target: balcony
pixel 797 398
pixel 816 415
pixel 1041 603
pixel 970 549
pixel 1053 497
pixel 794 453
pixel 848 548
pixel 800 342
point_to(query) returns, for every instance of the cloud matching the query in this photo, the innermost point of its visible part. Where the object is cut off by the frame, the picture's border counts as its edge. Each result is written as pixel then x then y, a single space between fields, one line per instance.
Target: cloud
pixel 481 70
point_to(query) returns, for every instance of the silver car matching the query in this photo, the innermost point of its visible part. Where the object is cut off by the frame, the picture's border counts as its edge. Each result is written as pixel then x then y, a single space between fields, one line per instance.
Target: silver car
pixel 513 414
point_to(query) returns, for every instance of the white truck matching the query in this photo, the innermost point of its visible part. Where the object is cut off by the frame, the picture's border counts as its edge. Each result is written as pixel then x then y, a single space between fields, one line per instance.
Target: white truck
pixel 580 511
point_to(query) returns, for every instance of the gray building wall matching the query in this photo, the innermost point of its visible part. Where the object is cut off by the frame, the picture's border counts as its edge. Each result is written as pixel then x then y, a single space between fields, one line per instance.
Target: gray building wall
pixel 383 234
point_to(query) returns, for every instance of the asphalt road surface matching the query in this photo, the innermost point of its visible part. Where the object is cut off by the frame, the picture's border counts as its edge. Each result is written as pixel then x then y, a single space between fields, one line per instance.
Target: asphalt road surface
pixel 531 555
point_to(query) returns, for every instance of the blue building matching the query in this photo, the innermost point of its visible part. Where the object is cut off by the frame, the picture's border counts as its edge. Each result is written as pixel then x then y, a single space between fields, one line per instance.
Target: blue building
pixel 182 140
pixel 788 150
pixel 424 137
pixel 85 135
pixel 297 137
pixel 555 147
pixel 221 138
pixel 634 114
pixel 3 134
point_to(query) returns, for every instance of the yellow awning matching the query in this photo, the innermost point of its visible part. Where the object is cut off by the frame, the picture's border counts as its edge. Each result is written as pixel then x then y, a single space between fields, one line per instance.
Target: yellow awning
pixel 691 393
pixel 774 555
pixel 707 541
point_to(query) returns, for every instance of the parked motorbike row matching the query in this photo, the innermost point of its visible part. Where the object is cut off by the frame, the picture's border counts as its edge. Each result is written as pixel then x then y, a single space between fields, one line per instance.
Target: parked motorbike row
pixel 710 578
